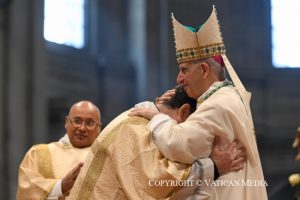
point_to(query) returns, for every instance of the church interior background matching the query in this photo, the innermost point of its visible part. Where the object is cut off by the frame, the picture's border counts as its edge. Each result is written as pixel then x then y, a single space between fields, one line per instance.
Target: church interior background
pixel 127 55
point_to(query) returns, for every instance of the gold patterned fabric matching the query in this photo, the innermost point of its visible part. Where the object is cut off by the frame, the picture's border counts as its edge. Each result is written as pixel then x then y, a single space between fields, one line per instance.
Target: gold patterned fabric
pixel 43 165
pixel 184 55
pixel 122 164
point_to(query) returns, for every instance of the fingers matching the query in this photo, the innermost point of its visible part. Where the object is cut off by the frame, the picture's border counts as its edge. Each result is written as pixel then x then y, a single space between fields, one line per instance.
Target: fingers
pixel 166 96
pixel 238 167
pixel 137 112
pixel 169 93
pixel 143 112
pixel 239 152
pixel 75 173
pixel 239 162
pixel 233 146
pixel 72 175
pixel 231 158
pixel 69 180
pixel 77 168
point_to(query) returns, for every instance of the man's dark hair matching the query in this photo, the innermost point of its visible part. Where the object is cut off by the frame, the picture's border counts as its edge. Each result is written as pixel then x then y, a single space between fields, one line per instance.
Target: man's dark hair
pixel 181 98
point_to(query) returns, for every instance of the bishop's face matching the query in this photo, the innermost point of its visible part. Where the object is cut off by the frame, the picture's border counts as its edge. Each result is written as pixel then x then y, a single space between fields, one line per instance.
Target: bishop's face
pixel 190 76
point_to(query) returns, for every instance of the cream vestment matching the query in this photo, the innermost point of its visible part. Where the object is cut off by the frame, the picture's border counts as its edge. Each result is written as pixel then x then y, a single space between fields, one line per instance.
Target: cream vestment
pixel 221 113
pixel 44 165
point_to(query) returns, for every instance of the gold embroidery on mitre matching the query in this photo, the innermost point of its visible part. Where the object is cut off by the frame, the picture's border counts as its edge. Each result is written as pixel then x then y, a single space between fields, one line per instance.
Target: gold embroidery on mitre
pixel 206 42
pixel 185 55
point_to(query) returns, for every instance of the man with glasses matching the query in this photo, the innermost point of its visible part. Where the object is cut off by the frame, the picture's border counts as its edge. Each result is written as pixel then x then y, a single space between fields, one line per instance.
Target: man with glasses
pixel 48 171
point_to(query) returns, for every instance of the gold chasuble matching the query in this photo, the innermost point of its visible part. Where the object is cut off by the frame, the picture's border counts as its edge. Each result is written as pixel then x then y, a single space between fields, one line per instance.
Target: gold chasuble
pixel 125 164
pixel 43 165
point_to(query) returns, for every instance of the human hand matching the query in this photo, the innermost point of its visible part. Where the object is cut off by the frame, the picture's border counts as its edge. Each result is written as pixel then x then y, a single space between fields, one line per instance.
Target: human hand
pixel 229 159
pixel 166 96
pixel 69 180
pixel 147 113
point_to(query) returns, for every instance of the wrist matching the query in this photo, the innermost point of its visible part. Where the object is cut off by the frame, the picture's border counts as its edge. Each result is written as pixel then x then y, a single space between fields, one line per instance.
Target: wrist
pixel 216 171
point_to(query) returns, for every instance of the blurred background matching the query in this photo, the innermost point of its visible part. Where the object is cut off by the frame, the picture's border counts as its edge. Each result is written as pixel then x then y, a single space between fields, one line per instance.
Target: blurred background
pixel 116 53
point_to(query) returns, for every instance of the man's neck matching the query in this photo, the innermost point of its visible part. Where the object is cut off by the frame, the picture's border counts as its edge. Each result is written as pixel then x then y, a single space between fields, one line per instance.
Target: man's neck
pixel 207 84
pixel 65 139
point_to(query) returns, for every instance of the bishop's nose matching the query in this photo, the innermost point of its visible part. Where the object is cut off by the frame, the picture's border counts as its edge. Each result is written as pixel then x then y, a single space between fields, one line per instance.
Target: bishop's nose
pixel 179 79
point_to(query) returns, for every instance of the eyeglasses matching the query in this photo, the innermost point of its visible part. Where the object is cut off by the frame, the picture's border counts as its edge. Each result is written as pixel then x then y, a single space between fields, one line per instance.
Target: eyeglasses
pixel 89 124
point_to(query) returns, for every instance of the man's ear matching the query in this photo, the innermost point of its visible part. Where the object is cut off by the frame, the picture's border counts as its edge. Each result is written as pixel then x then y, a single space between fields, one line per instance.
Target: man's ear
pixel 66 122
pixel 206 69
pixel 184 112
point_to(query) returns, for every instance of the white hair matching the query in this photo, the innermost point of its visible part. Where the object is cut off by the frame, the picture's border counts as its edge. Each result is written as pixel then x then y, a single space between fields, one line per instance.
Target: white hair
pixel 215 67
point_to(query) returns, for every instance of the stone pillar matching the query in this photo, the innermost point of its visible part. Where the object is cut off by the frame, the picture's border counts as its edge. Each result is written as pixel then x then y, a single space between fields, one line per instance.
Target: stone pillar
pixel 25 101
pixel 3 151
pixel 137 43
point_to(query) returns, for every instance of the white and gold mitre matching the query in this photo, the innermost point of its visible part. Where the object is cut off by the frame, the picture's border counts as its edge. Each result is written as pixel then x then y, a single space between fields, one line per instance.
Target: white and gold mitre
pixel 203 43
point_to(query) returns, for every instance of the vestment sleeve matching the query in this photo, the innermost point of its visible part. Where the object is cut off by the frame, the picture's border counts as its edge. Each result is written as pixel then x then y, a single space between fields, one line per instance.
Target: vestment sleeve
pixel 198 181
pixel 36 178
pixel 56 191
pixel 188 141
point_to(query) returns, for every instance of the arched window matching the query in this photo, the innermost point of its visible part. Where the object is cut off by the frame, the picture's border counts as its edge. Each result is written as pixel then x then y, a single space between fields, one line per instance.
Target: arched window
pixel 285 33
pixel 64 22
